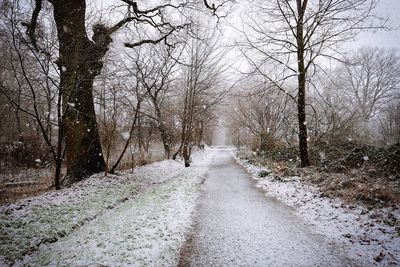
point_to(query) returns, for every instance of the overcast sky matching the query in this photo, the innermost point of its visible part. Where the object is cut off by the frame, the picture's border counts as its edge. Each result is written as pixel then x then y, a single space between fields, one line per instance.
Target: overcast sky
pixel 389 8
pixel 386 8
pixel 382 38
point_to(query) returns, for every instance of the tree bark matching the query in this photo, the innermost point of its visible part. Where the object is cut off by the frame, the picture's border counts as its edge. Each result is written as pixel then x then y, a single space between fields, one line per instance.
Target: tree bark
pixel 301 98
pixel 128 141
pixel 165 138
pixel 79 63
pixel 186 155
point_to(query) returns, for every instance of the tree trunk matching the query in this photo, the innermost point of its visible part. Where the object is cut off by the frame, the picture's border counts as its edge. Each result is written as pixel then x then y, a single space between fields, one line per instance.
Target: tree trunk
pixel 128 141
pixel 301 99
pixel 59 153
pixel 57 174
pixel 200 134
pixel 79 63
pixel 186 155
pixel 140 140
pixel 165 138
pixel 184 122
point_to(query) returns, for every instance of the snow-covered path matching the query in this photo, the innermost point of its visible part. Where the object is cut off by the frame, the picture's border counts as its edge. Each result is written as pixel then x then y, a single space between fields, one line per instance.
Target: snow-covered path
pixel 238 226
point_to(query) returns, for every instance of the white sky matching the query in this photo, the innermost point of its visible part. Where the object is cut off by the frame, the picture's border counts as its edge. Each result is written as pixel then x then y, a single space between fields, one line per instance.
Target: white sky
pixel 390 8
pixel 386 8
pixel 382 38
pixel 387 39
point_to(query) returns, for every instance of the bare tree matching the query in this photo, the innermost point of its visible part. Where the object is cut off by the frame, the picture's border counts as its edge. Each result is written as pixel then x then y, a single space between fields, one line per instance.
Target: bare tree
pixel 32 86
pixel 111 112
pixel 389 123
pixel 291 36
pixel 330 117
pixel 265 114
pixel 156 70
pixel 369 79
pixel 135 121
pixel 81 60
pixel 201 89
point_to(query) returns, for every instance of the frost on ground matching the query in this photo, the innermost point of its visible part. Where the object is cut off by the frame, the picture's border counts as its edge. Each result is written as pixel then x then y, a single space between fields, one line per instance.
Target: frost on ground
pixel 158 200
pixel 370 236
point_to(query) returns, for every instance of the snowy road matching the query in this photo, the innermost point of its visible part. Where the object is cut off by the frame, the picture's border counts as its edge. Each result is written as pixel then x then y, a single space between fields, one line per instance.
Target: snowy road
pixel 238 226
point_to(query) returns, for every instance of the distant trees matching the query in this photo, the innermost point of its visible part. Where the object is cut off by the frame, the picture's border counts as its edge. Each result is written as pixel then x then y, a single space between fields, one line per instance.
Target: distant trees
pixel 357 100
pixel 369 79
pixel 201 89
pixel 353 99
pixel 286 38
pixel 330 119
pixel 265 113
pixel 156 71
pixel 389 122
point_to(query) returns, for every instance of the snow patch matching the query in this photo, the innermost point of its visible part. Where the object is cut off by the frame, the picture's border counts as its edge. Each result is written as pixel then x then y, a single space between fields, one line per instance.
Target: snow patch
pixel 137 218
pixel 125 135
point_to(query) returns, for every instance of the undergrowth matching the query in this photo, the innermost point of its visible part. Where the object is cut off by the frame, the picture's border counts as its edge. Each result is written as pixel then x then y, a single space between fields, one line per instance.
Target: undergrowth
pixel 354 172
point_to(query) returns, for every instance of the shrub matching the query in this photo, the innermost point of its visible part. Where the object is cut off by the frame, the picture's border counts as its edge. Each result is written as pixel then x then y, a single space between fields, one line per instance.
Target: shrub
pixel 29 152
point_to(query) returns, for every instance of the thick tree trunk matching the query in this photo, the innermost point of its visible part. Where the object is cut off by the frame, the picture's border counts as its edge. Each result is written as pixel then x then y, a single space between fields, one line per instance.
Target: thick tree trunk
pixel 79 64
pixel 186 140
pixel 301 99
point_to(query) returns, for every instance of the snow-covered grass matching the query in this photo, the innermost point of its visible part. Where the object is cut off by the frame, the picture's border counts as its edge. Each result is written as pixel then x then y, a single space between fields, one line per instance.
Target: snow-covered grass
pixel 158 200
pixel 369 236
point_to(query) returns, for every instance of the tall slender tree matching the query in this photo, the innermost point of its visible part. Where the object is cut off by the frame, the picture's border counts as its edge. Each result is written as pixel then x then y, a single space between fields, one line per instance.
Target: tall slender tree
pixel 292 35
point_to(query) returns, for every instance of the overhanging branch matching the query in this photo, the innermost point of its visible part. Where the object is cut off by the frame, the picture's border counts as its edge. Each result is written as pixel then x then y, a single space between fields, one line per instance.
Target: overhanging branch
pixel 155 41
pixel 31 26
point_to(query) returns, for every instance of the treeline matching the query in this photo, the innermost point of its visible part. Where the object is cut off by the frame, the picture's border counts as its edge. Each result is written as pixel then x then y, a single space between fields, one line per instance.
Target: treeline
pixel 353 113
